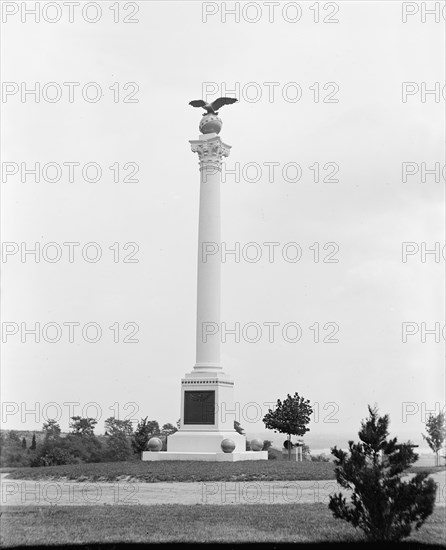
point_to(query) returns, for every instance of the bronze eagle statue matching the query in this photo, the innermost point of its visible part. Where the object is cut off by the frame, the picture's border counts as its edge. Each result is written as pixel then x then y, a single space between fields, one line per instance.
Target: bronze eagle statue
pixel 211 108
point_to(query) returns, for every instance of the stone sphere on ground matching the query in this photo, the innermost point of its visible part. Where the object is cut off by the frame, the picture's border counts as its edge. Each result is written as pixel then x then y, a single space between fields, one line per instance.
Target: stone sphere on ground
pixel 210 124
pixel 227 445
pixel 256 445
pixel 154 444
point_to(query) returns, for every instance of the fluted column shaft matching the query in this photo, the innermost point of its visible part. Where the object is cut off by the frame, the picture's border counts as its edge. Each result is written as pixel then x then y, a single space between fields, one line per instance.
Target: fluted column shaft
pixel 210 150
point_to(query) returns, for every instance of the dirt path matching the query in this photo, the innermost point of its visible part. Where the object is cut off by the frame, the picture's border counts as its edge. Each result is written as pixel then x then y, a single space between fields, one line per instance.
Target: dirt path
pixel 68 493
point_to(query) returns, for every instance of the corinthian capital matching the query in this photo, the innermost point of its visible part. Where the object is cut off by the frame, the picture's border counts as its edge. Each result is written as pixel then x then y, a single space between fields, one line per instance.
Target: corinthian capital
pixel 210 152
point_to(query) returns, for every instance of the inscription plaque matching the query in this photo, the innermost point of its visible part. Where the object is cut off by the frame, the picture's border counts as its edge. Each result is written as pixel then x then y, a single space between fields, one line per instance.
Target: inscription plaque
pixel 199 407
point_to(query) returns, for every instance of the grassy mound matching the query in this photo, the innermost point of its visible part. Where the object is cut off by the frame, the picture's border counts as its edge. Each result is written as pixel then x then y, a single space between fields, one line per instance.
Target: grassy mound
pixel 152 472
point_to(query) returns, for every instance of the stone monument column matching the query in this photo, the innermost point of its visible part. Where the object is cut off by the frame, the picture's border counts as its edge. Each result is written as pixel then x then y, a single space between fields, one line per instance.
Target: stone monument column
pixel 207 393
pixel 206 427
pixel 210 149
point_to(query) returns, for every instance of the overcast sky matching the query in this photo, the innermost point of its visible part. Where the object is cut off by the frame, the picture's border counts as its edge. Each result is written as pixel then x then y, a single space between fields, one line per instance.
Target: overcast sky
pixel 358 123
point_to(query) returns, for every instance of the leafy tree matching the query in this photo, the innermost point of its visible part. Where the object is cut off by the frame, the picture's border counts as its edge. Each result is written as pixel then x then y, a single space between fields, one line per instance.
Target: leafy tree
pixel 145 429
pixel 82 426
pixel 266 444
pixel 168 429
pixel 289 417
pixel 51 430
pixel 118 444
pixel 118 447
pixel 113 425
pixel 14 436
pixel 436 429
pixel 23 443
pixel 86 448
pixel 12 452
pixel 53 450
pixel 33 443
pixel 82 441
pixel 382 505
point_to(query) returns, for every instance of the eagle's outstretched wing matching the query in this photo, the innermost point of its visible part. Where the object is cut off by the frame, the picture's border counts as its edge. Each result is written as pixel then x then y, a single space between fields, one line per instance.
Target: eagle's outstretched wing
pixel 222 101
pixel 197 103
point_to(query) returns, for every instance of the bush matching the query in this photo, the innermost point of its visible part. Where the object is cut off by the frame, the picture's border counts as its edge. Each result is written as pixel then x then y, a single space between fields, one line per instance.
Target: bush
pixel 145 430
pixel 118 448
pixel 320 458
pixel 84 448
pixel 55 456
pixel 18 459
pixel 12 452
pixel 274 454
pixel 382 505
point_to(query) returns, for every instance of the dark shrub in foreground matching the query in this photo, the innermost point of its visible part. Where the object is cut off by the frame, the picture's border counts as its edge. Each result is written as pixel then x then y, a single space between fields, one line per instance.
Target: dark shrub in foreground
pixel 382 505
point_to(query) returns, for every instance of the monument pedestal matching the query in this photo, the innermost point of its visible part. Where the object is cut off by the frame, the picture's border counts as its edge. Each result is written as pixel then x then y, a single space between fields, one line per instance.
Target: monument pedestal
pixel 207 419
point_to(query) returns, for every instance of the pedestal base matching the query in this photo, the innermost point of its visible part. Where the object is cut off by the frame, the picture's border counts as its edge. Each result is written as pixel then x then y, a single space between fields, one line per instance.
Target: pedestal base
pixel 204 457
pixel 204 441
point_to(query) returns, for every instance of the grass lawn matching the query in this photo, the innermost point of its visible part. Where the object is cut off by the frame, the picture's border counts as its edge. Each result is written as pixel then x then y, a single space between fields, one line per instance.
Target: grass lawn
pixel 142 524
pixel 151 472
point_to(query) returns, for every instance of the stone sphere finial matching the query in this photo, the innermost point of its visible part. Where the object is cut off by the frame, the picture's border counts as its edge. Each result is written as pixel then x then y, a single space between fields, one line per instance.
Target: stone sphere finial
pixel 227 445
pixel 256 445
pixel 210 123
pixel 155 444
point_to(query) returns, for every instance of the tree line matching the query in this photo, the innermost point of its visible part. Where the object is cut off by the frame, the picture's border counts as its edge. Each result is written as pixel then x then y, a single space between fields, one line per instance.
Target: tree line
pixel 81 445
pixel 120 442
